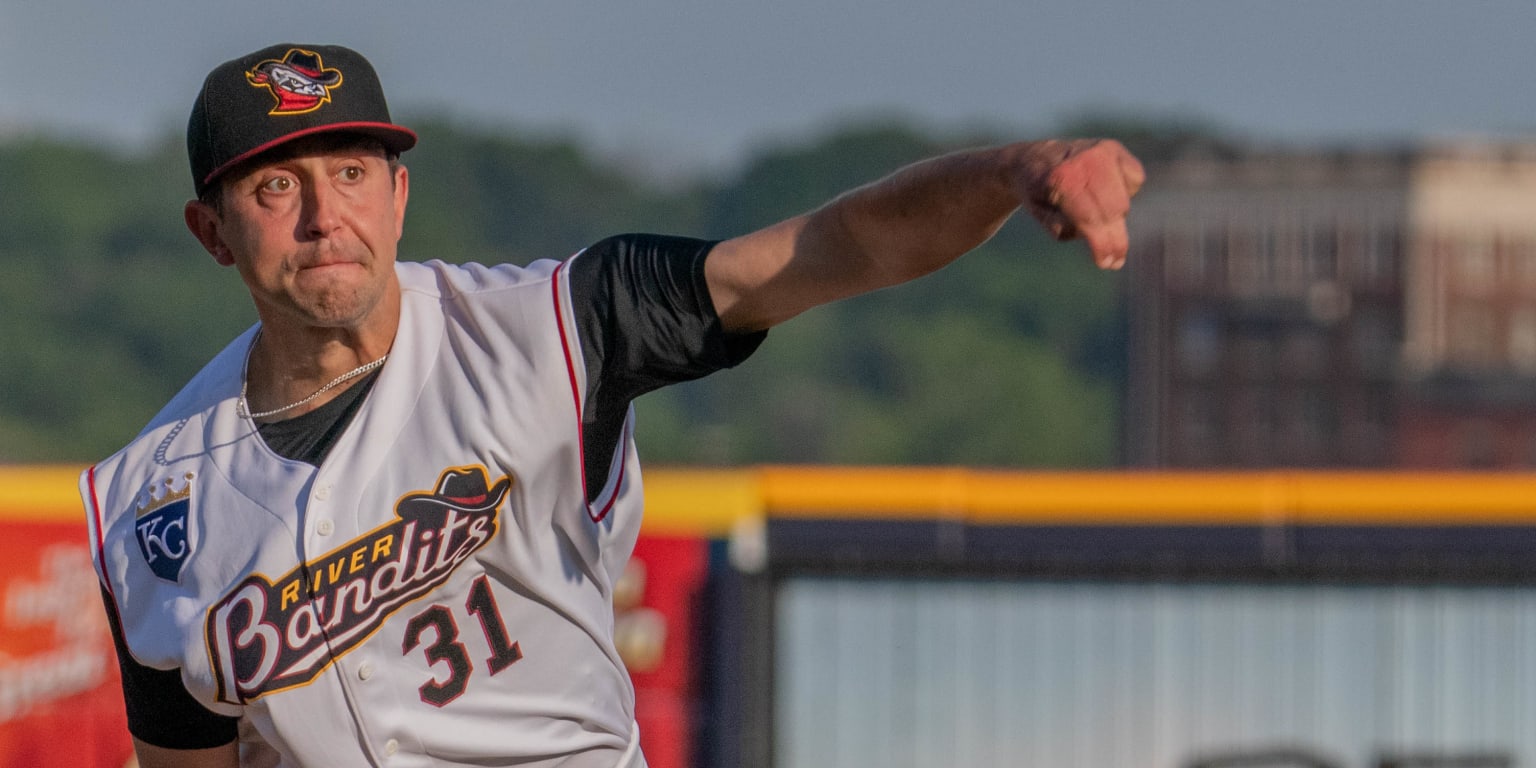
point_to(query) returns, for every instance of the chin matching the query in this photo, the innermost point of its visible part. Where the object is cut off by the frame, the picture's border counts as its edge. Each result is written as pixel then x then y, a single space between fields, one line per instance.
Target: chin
pixel 339 312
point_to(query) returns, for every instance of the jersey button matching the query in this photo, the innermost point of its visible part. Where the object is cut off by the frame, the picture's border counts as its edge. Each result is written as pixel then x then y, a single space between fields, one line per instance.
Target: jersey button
pixel 325 527
pixel 391 747
pixel 365 670
pixel 323 492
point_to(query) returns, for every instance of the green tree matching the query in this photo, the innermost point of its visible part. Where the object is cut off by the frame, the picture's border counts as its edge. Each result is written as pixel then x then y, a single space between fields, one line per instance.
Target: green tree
pixel 1011 356
pixel 895 376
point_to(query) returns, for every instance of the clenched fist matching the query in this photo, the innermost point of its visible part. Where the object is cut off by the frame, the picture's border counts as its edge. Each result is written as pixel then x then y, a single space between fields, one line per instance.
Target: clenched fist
pixel 1083 188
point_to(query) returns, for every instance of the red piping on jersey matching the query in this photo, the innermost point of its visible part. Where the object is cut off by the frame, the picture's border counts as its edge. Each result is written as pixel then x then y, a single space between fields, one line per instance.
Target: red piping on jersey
pixel 101 561
pixel 581 446
pixel 101 542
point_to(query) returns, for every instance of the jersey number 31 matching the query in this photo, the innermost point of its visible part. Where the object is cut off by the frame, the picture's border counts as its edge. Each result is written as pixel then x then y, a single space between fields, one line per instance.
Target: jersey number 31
pixel 446 647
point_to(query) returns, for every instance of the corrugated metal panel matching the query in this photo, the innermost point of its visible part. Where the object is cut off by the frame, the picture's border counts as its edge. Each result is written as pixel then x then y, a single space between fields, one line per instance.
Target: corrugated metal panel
pixel 1093 675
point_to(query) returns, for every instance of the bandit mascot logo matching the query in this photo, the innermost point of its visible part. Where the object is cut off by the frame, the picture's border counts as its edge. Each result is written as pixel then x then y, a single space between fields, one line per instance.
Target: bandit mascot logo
pixel 299 81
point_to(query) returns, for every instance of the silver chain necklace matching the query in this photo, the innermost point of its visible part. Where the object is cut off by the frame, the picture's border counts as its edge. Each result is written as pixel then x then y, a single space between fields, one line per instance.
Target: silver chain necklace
pixel 243 408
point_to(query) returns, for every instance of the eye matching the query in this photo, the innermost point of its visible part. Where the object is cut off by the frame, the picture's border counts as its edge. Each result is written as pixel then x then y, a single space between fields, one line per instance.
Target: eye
pixel 278 184
pixel 352 173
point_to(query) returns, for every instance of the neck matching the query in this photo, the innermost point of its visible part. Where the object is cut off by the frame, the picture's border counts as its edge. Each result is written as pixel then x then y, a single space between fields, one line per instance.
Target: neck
pixel 288 363
pixel 313 400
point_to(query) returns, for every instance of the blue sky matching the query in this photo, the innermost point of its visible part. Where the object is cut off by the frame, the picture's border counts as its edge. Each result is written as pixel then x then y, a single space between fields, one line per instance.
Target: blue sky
pixel 696 82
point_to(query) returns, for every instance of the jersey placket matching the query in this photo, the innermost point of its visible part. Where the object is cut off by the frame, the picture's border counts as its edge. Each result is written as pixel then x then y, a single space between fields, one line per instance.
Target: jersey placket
pixel 361 671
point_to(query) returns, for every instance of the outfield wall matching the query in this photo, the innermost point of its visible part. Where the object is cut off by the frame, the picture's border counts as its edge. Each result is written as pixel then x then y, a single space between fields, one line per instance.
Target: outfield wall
pixel 797 616
pixel 918 617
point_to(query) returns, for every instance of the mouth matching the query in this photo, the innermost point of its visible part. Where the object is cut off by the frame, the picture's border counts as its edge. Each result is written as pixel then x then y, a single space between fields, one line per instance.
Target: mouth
pixel 328 272
pixel 329 264
pixel 323 261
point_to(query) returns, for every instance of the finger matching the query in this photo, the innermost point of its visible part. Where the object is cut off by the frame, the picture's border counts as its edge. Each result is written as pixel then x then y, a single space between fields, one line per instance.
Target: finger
pixel 1106 171
pixel 1108 243
pixel 1083 203
pixel 1132 172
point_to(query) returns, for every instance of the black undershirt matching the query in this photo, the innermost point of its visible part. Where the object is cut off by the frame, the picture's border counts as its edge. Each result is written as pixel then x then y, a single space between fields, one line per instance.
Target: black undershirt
pixel 309 437
pixel 645 320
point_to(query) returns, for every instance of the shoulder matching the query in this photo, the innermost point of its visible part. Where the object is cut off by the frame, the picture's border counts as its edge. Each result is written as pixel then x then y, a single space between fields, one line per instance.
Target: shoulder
pixel 646 267
pixel 442 280
pixel 174 436
pixel 647 249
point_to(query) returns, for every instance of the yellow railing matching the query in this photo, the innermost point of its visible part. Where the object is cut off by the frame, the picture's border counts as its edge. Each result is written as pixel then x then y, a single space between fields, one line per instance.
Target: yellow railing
pixel 710 502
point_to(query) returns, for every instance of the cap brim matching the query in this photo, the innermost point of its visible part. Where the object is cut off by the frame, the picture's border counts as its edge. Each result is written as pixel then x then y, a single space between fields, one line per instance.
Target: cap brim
pixel 395 139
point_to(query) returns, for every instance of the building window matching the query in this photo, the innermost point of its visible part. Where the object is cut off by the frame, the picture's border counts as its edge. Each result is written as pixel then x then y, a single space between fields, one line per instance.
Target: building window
pixel 1307 425
pixel 1213 254
pixel 1372 341
pixel 1522 339
pixel 1520 255
pixel 1252 427
pixel 1477 445
pixel 1365 438
pixel 1474 264
pixel 1304 354
pixel 1322 257
pixel 1351 246
pixel 1196 429
pixel 1370 255
pixel 1254 357
pixel 1290 246
pixel 1184 260
pixel 1198 344
pixel 1472 329
pixel 1251 261
pixel 1379 262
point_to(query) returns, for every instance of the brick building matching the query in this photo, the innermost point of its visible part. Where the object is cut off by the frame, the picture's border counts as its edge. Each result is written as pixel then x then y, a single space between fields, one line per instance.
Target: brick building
pixel 1341 309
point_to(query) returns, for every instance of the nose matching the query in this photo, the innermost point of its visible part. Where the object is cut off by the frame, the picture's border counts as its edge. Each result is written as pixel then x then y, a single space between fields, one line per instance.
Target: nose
pixel 322 209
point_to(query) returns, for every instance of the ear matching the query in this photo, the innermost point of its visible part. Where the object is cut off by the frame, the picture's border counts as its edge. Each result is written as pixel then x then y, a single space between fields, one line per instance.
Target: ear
pixel 402 195
pixel 203 223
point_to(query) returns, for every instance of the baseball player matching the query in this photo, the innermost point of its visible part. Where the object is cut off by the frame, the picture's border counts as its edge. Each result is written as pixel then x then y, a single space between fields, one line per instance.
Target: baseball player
pixel 382 527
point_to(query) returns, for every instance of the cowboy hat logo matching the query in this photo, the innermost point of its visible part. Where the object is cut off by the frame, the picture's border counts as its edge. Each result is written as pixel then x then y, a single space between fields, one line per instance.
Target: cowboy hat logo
pixel 462 490
pixel 300 81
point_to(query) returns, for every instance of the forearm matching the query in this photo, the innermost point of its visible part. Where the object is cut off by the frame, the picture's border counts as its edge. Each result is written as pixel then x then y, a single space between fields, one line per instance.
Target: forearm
pixel 922 217
pixel 887 232
pixel 919 219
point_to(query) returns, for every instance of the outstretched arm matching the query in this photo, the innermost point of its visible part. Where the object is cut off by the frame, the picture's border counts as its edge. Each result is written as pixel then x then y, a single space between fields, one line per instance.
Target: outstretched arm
pixel 921 218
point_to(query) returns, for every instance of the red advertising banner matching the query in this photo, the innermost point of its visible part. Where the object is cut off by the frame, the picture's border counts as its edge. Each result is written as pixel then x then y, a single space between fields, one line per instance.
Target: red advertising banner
pixel 59 699
pixel 656 623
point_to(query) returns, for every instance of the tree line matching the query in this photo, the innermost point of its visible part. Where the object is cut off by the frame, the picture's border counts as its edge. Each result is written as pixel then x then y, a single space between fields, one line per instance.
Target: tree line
pixel 1013 356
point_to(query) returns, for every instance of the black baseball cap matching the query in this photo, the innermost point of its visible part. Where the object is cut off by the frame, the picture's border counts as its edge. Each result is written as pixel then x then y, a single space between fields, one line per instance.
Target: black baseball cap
pixel 280 93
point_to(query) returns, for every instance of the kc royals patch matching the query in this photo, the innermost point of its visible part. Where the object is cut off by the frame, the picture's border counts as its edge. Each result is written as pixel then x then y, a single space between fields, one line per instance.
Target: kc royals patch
pixel 161 526
pixel 300 81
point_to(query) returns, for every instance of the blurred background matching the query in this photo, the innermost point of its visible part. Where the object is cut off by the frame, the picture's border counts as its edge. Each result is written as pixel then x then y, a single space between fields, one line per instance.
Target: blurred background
pixel 1333 271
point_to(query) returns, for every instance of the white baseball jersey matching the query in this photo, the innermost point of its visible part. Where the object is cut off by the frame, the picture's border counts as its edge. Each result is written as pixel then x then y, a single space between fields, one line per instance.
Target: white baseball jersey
pixel 436 592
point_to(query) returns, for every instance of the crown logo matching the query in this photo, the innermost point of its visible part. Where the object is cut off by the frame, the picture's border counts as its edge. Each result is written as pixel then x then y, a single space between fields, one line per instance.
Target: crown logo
pixel 149 501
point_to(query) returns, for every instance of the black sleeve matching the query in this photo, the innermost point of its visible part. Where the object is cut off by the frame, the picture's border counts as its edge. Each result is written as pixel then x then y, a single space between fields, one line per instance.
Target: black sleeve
pixel 160 710
pixel 646 320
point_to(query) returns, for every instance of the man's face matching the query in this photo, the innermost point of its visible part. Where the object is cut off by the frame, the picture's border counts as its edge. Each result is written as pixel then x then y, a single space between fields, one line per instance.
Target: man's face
pixel 313 233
